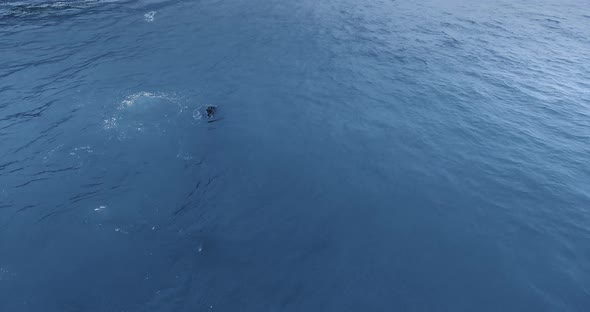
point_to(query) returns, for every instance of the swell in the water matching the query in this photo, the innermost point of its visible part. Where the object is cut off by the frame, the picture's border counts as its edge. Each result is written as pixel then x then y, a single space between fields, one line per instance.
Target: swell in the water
pixel 22 11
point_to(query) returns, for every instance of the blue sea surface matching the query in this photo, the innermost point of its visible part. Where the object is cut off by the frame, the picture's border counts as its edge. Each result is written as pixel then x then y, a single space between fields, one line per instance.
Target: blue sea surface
pixel 366 155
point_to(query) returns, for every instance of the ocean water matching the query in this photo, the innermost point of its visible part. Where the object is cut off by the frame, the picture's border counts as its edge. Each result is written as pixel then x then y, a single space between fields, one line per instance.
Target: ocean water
pixel 366 155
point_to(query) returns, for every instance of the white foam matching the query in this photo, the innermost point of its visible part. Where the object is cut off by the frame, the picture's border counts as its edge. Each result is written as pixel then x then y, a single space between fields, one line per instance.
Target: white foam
pixel 51 152
pixel 5 275
pixel 120 230
pixel 133 99
pixel 197 114
pixel 150 112
pixel 184 156
pixel 85 149
pixel 110 123
pixel 149 16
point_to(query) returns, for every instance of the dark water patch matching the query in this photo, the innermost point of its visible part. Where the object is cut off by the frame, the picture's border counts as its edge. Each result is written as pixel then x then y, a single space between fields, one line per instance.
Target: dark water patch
pixel 5 165
pixel 16 170
pixel 2 206
pixel 372 156
pixel 91 185
pixel 26 208
pixel 32 113
pixel 83 196
pixel 56 170
pixel 51 214
pixel 31 181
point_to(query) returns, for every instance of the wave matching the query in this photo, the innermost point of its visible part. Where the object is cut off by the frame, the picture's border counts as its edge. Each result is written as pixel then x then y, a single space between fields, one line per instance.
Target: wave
pixel 26 10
